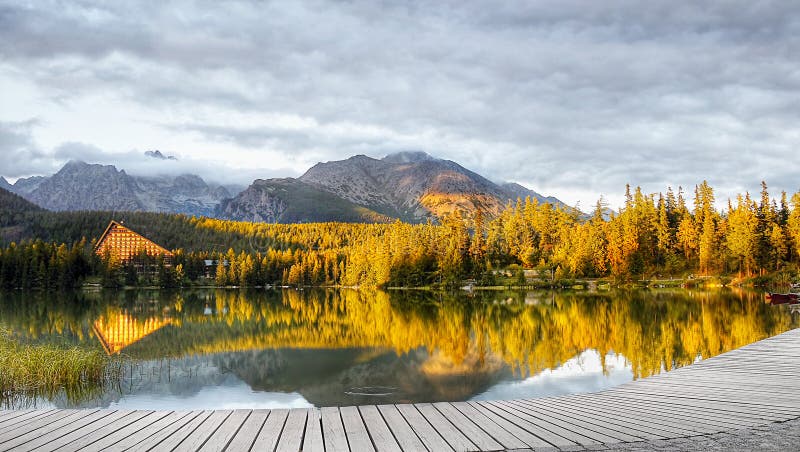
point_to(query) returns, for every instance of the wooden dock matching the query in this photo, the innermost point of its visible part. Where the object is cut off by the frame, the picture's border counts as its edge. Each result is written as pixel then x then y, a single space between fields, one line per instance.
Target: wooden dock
pixel 753 385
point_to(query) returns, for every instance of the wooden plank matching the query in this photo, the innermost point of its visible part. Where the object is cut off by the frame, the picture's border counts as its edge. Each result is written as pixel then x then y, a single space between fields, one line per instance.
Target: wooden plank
pixel 219 440
pixel 246 435
pixel 292 436
pixel 469 429
pixel 357 435
pixel 109 435
pixel 562 423
pixel 333 430
pixel 662 412
pixel 690 387
pixel 12 414
pixel 720 409
pixel 611 434
pixel 450 433
pixel 402 431
pixel 503 436
pixel 738 381
pixel 199 436
pixel 76 435
pixel 97 440
pixel 62 427
pixel 727 408
pixel 270 433
pixel 426 433
pixel 48 423
pixel 552 439
pixel 9 423
pixel 611 417
pixel 178 431
pixel 546 424
pixel 28 418
pixel 381 436
pixel 518 432
pixel 599 402
pixel 312 441
pixel 745 404
pixel 744 396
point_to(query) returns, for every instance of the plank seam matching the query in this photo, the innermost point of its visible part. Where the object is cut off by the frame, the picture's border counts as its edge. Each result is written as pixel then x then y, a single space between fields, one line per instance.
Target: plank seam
pixel 303 434
pixel 230 440
pixel 394 435
pixel 468 420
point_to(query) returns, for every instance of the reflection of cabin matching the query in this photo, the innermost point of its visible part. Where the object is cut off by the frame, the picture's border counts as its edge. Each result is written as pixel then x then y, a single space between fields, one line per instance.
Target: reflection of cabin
pixel 124 244
pixel 118 331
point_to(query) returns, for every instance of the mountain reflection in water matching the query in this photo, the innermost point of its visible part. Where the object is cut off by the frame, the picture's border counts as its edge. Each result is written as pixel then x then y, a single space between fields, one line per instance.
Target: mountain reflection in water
pixel 249 349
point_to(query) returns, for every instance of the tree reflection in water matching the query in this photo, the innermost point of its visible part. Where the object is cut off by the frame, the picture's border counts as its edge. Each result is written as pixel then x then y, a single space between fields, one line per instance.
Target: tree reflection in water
pixel 328 345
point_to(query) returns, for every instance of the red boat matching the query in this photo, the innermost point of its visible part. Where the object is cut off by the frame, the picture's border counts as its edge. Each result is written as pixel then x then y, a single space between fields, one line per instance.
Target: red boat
pixel 782 298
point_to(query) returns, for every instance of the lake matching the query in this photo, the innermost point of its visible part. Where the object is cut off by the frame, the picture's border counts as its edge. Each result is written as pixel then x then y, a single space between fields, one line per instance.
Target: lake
pixel 215 349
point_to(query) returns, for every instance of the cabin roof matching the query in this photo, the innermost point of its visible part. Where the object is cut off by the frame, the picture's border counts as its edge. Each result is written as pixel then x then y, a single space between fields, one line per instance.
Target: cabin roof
pixel 113 224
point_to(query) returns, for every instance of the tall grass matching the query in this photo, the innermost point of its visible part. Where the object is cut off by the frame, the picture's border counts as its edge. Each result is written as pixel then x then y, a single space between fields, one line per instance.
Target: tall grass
pixel 45 369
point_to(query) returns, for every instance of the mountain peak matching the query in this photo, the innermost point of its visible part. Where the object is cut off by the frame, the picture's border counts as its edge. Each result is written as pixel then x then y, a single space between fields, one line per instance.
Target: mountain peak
pixel 408 157
pixel 159 155
pixel 72 163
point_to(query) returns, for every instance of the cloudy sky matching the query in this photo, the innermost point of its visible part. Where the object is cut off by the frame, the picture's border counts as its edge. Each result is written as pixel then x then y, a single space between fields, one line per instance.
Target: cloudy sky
pixel 570 98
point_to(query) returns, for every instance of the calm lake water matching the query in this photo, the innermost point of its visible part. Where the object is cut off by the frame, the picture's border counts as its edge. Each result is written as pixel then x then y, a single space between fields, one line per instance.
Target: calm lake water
pixel 267 349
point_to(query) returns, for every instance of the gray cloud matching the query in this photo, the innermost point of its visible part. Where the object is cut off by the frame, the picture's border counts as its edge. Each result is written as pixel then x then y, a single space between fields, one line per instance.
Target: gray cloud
pixel 19 154
pixel 566 95
pixel 138 163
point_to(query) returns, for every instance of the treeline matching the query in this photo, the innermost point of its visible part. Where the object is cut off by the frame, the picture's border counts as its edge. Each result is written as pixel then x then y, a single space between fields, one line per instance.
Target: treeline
pixel 653 235
pixel 38 264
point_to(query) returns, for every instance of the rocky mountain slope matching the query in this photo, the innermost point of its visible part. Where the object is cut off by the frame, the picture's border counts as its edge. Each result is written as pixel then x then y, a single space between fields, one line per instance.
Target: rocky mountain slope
pixel 26 185
pixel 84 186
pixel 5 185
pixel 414 186
pixel 293 201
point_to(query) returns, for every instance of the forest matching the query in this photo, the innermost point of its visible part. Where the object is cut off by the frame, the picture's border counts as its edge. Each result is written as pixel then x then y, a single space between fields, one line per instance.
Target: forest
pixel 652 236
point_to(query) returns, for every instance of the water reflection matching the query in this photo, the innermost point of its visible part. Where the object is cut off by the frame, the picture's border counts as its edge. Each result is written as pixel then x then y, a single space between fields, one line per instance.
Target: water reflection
pixel 204 348
pixel 587 372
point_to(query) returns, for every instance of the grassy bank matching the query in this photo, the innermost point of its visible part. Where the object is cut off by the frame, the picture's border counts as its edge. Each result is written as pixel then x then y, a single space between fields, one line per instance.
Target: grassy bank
pixel 45 369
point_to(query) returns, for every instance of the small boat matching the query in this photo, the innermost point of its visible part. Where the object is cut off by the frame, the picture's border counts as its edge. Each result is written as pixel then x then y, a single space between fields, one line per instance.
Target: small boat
pixel 782 298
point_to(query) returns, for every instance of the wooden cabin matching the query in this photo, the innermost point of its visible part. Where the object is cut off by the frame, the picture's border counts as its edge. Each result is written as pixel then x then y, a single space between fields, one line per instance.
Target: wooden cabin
pixel 123 244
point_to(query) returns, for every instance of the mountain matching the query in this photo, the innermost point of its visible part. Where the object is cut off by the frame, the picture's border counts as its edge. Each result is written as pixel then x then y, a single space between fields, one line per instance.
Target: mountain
pixel 81 186
pixel 517 191
pixel 159 156
pixel 414 186
pixel 293 201
pixel 187 194
pixel 84 186
pixel 25 185
pixel 5 185
pixel 410 186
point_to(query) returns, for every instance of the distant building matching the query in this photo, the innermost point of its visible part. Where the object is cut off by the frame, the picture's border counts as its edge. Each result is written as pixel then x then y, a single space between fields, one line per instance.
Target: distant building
pixel 211 267
pixel 124 244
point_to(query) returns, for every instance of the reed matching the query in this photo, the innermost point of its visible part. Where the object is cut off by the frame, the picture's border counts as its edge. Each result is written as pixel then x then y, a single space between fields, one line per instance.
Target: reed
pixel 27 368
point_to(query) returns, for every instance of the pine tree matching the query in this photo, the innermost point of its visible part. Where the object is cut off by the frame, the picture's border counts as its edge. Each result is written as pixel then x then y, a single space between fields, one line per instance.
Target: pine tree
pixel 742 238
